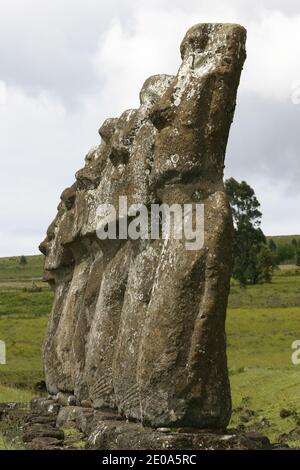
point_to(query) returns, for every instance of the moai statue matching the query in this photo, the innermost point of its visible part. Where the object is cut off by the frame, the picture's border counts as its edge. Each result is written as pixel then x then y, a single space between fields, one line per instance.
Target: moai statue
pixel 138 323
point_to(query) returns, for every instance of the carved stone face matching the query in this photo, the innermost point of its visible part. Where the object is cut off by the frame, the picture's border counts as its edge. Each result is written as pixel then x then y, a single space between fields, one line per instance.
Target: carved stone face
pixel 140 325
pixel 58 256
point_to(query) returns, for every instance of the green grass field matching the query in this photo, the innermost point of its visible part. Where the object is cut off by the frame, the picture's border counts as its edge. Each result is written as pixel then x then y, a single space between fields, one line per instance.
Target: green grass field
pixel 23 318
pixel 262 323
pixel 12 271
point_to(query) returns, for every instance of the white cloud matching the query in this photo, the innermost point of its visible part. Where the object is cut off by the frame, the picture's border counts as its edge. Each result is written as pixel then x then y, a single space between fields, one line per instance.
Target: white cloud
pixel 127 55
pixel 279 206
pixel 273 63
pixel 68 65
pixel 41 147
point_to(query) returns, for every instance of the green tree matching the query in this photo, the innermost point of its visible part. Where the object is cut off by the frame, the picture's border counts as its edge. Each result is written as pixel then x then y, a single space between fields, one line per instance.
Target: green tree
pixel 298 257
pixel 296 246
pixel 266 264
pixel 23 260
pixel 295 243
pixel 285 253
pixel 251 264
pixel 272 245
pixel 244 203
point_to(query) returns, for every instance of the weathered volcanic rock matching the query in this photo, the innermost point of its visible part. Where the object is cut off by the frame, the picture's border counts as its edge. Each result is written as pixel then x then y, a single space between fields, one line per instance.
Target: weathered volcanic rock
pixel 76 428
pixel 115 435
pixel 139 325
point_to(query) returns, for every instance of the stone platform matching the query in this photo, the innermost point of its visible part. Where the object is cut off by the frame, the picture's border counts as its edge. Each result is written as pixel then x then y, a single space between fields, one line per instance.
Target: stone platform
pixel 47 425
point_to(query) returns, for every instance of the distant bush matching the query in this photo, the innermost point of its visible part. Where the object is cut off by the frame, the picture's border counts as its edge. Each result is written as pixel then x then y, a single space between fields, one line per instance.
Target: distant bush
pixel 287 250
pixel 23 261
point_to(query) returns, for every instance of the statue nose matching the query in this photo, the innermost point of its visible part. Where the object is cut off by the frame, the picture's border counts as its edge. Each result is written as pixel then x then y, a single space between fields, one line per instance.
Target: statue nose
pixel 119 154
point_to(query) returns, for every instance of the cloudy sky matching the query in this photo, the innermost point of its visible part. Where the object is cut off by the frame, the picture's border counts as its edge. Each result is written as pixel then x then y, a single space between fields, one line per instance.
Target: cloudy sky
pixel 66 65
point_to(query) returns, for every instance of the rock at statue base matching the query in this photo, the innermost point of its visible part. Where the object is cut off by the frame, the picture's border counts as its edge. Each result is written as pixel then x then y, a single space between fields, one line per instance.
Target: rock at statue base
pixel 138 325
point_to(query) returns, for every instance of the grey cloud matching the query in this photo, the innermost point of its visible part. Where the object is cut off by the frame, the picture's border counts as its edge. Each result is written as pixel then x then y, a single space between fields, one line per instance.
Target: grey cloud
pixel 49 48
pixel 50 45
pixel 263 149
pixel 265 141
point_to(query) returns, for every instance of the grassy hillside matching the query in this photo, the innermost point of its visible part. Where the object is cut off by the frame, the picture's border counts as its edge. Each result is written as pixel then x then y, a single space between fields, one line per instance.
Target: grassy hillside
pixel 263 379
pixel 263 321
pixel 12 271
pixel 281 239
pixel 23 318
pixel 284 291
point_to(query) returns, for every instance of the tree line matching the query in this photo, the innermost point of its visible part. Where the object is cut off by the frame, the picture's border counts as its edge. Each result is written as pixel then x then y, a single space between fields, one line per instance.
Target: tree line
pixel 255 258
pixel 287 252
